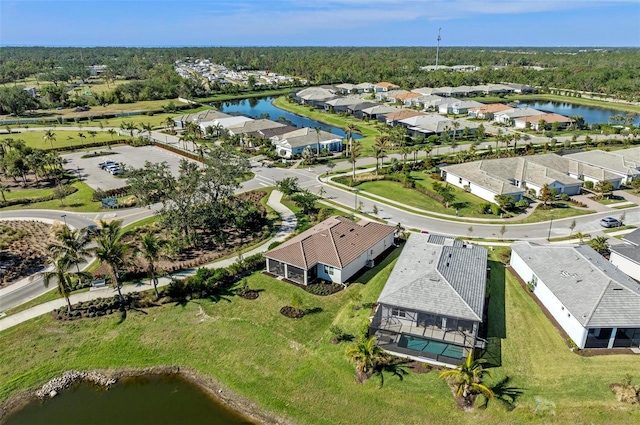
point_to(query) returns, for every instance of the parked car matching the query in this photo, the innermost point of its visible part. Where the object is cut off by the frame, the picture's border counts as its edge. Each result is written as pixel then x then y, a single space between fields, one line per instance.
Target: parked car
pixel 610 222
pixel 106 164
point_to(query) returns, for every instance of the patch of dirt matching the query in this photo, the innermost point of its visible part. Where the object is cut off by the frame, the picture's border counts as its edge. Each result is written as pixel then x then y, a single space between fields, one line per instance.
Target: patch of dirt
pixel 250 295
pixel 421 367
pixel 292 313
pixel 626 393
pixel 23 247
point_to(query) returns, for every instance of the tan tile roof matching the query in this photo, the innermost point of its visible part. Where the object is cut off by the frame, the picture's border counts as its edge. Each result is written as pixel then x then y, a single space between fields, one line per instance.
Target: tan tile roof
pixel 548 118
pixel 385 84
pixel 404 114
pixel 337 241
pixel 491 108
pixel 404 96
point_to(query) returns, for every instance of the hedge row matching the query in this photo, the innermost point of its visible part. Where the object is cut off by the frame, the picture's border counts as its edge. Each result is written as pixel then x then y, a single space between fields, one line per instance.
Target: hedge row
pixel 177 150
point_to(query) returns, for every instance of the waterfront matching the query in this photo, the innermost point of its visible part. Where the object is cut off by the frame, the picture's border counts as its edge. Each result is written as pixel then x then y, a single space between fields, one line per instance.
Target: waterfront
pixel 591 114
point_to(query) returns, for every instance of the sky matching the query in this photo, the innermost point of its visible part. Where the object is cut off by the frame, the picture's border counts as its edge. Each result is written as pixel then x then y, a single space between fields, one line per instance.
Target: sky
pixel 570 23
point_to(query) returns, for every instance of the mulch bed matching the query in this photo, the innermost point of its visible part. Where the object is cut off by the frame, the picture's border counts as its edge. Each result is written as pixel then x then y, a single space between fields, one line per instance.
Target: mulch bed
pixel 292 313
pixel 249 295
pixel 421 367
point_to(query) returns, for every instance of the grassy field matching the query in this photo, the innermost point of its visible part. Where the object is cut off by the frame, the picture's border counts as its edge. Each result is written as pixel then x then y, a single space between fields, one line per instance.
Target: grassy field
pixel 64 138
pixel 288 367
pixel 79 201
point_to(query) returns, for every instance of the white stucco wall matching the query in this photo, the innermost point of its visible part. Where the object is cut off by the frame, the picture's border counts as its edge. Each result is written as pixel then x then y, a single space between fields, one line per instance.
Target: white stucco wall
pixel 625 265
pixel 566 320
pixel 360 262
pixel 479 191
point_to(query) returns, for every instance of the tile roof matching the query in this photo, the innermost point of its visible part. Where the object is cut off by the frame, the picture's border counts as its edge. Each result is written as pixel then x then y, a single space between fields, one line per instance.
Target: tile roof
pixel 304 136
pixel 628 251
pixel 385 84
pixel 548 118
pixel 404 96
pixel 403 114
pixel 592 289
pixel 617 161
pixel 491 108
pixel 439 275
pixel 632 238
pixel 337 241
pixel 254 125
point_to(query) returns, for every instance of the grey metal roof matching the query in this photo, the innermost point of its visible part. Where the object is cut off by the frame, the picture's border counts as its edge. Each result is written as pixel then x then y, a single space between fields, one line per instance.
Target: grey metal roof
pixel 592 289
pixel 632 238
pixel 439 275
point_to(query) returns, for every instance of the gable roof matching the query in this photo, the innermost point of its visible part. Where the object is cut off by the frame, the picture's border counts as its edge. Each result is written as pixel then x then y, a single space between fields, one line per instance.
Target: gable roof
pixel 304 136
pixel 439 275
pixel 385 84
pixel 630 252
pixel 490 108
pixel 403 114
pixel 592 289
pixel 616 161
pixel 207 115
pixel 548 118
pixel 337 241
pixel 632 238
pixel 254 125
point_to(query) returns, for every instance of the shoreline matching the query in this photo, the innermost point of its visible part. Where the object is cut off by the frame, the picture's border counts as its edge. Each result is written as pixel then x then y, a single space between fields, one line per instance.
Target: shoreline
pixel 211 386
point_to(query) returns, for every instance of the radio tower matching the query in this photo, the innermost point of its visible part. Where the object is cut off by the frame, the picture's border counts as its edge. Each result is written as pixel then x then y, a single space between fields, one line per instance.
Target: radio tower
pixel 438 48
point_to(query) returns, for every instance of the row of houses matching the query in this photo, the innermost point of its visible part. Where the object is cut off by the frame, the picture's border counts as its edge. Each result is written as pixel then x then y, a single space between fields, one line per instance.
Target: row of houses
pixel 287 140
pixel 518 176
pixel 435 300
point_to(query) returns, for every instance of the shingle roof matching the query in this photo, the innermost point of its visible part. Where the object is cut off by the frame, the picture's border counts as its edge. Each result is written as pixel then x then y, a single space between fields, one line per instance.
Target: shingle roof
pixel 336 242
pixel 633 238
pixel 403 114
pixel 629 251
pixel 592 289
pixel 618 161
pixel 255 125
pixel 438 275
pixel 548 118
pixel 305 136
pixel 491 108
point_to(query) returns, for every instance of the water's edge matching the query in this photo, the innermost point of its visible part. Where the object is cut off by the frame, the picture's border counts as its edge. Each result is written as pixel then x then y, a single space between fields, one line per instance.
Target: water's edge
pixel 212 387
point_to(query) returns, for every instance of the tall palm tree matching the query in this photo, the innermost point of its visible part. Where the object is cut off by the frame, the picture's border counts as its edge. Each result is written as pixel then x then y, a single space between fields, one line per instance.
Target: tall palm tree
pixel 356 150
pixel 468 378
pixel 4 189
pixel 351 128
pixel 92 134
pixel 61 275
pixel 112 250
pixel 49 136
pixel 72 245
pixel 147 128
pixel 151 250
pixel 379 149
pixel 317 129
pixel 365 354
pixel 111 132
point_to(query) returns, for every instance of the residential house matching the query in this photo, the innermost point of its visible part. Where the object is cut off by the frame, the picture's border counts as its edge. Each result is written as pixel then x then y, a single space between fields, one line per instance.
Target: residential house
pixel 460 107
pixel 533 121
pixel 403 98
pixel 333 250
pixel 432 304
pixel 384 86
pixel 626 256
pixel 378 112
pixel 295 142
pixel 268 133
pixel 596 304
pixel 486 112
pixel 385 96
pixel 226 123
pixel 427 102
pixel 393 117
pixel 209 115
pixel 624 163
pixel 341 104
pixel 426 125
pixel 444 102
pixel 345 88
pixel 513 176
pixel 356 110
pixel 507 117
pixel 364 87
pixel 315 96
pixel 425 91
pixel 520 88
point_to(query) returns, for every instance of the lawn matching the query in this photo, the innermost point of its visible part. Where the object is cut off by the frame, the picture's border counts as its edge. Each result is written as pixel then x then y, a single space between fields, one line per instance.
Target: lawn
pixel 565 210
pixel 80 201
pixel 64 138
pixel 288 367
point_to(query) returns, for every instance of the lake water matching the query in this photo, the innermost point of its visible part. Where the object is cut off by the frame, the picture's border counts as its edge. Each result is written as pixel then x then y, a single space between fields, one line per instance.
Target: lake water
pixel 591 114
pixel 255 107
pixel 152 400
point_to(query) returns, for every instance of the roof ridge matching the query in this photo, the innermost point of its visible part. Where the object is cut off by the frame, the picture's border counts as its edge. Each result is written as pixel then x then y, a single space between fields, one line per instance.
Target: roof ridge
pixel 333 244
pixel 457 293
pixel 593 310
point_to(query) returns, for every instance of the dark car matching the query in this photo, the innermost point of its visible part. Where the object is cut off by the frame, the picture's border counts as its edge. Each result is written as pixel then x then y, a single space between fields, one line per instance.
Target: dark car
pixel 610 222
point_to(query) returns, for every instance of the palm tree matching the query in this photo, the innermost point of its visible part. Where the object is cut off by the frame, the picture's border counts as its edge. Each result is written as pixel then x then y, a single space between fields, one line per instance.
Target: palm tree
pixel 92 134
pixel 147 128
pixel 112 250
pixel 151 250
pixel 72 245
pixel 456 125
pixel 379 149
pixel 170 123
pixel 317 129
pixel 468 379
pixel 351 128
pixel 356 150
pixel 61 275
pixel 112 133
pixel 4 189
pixel 49 136
pixel 365 354
pixel 600 244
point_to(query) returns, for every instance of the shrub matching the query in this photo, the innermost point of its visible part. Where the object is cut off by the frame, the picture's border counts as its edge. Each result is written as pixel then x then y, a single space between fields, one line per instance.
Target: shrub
pixel 273 245
pixel 588 184
pixel 495 209
pixel 523 203
pixel 484 208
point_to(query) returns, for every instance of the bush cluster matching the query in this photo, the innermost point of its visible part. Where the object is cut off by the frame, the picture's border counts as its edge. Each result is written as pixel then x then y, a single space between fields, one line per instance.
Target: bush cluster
pixel 323 288
pixel 101 307
pixel 118 192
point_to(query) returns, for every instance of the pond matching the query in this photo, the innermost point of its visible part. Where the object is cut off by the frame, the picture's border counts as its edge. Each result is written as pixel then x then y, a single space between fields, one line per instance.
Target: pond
pixel 591 114
pixel 261 107
pixel 152 400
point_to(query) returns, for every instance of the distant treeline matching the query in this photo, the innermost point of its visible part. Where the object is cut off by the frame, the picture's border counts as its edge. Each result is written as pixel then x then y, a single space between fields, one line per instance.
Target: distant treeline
pixel 614 71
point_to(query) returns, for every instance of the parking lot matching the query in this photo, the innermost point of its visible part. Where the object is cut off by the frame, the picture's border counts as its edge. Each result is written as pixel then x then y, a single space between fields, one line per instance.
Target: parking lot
pixel 129 156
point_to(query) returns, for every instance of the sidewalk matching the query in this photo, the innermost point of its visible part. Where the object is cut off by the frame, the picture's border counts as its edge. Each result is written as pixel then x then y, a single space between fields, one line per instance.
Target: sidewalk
pixel 287 227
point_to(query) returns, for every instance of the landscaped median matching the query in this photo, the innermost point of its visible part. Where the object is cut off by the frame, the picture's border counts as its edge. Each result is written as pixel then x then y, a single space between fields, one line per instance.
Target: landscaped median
pixel 290 367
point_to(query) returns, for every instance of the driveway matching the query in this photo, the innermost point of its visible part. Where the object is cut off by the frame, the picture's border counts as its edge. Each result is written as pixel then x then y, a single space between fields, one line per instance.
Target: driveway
pixel 131 157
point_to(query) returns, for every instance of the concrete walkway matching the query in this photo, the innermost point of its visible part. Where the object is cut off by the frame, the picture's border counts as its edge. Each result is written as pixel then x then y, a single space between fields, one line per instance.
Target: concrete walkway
pixel 287 227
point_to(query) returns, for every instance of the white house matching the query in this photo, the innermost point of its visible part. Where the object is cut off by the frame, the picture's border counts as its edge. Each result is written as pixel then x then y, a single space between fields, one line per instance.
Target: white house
pixel 295 142
pixel 460 107
pixel 596 304
pixel 626 257
pixel 333 250
pixel 624 163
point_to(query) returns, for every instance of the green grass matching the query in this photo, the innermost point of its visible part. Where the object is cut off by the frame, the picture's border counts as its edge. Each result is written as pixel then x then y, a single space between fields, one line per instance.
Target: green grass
pixel 609 201
pixel 79 201
pixel 554 213
pixel 51 295
pixel 258 353
pixel 28 193
pixel 617 229
pixel 35 139
pixel 621 207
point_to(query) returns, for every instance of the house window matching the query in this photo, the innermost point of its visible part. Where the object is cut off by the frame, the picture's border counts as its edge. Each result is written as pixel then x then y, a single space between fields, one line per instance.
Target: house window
pixel 460 180
pixel 396 312
pixel 328 270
